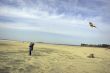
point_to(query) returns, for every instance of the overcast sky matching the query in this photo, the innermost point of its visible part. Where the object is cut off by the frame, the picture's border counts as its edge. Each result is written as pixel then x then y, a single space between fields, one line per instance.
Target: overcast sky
pixel 55 21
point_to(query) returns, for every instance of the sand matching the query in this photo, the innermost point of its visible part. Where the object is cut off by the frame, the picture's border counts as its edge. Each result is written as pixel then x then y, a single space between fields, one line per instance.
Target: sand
pixel 48 58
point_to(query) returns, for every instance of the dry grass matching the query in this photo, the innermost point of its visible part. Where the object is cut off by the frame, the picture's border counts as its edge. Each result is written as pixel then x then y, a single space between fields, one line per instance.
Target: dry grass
pixel 47 58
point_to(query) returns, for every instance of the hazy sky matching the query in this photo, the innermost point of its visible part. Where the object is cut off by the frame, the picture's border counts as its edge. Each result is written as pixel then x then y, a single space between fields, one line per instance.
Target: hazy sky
pixel 55 21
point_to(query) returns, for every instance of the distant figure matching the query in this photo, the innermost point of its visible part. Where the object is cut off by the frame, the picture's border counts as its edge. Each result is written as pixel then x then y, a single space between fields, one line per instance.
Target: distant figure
pixel 31 45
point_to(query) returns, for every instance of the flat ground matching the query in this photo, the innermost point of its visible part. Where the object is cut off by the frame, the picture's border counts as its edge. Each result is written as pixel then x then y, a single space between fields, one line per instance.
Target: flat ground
pixel 47 58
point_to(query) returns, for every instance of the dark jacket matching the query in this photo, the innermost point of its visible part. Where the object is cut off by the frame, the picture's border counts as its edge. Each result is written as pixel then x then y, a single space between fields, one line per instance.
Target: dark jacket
pixel 31 45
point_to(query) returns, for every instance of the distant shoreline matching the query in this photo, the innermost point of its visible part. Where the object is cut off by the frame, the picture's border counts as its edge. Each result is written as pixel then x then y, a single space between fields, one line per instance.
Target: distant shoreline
pixel 40 42
pixel 82 44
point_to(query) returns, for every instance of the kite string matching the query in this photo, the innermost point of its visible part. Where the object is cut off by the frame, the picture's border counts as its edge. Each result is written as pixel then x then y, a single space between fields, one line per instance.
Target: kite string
pixel 99 30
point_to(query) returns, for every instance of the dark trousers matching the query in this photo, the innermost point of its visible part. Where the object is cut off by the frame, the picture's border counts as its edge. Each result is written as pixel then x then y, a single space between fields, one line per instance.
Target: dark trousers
pixel 30 50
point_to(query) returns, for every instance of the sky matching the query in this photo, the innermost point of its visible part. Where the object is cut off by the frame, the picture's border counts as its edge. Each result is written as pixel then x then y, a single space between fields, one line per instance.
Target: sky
pixel 55 21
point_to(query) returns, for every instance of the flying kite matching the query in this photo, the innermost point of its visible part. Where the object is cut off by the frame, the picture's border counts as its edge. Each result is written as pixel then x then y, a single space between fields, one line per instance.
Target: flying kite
pixel 92 25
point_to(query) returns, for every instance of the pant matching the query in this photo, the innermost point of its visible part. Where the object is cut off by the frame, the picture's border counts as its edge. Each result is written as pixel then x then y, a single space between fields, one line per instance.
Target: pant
pixel 30 51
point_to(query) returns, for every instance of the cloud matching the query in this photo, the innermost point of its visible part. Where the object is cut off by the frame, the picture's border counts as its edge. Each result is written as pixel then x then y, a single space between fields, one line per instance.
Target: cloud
pixel 59 17
pixel 54 24
pixel 12 12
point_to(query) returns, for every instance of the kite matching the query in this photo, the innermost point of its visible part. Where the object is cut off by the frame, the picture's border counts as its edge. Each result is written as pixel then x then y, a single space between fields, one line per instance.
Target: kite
pixel 92 25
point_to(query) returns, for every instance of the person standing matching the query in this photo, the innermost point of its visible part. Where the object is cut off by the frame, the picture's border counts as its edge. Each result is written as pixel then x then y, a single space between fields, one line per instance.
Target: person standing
pixel 31 45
